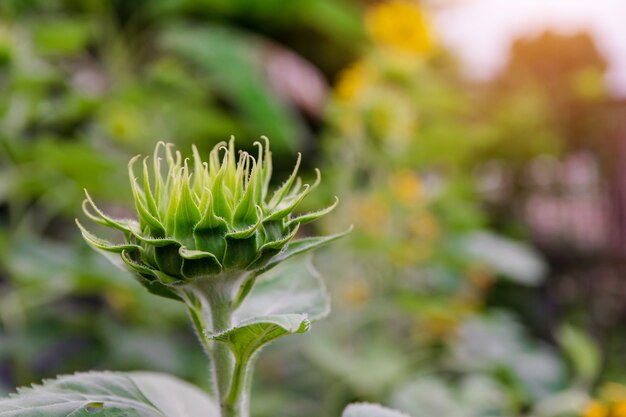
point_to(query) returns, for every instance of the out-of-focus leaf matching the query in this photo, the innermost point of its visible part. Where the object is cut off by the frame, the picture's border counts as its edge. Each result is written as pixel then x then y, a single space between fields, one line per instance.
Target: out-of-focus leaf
pixel 497 343
pixel 369 369
pixel 582 351
pixel 564 403
pixel 234 62
pixel 61 36
pixel 370 410
pixel 512 259
pixel 429 395
pixel 292 287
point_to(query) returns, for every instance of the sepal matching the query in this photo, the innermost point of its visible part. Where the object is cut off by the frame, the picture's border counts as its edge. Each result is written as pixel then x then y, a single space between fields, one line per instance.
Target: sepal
pixel 198 264
pixel 104 244
pixel 152 279
pixel 309 217
pixel 124 225
pixel 297 247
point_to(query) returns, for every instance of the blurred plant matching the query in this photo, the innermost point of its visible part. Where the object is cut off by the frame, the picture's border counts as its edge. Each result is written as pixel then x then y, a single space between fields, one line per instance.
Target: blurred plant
pixel 611 401
pixel 406 137
pixel 401 25
pixel 83 86
pixel 204 241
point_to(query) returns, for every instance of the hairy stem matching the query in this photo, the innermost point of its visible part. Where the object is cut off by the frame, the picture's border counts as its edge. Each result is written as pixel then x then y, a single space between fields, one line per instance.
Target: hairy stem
pixel 241 383
pixel 213 314
pixel 223 360
pixel 211 306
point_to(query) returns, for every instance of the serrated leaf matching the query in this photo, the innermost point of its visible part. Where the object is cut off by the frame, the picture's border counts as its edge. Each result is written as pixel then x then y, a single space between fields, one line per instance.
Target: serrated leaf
pixel 110 394
pixel 370 410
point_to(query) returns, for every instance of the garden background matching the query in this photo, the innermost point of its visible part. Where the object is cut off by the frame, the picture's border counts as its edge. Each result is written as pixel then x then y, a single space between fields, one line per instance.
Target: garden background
pixel 486 183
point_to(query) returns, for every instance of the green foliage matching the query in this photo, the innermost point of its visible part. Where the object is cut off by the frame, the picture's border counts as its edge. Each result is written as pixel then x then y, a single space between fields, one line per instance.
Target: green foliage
pixel 87 84
pixel 231 60
pixel 205 235
pixel 582 352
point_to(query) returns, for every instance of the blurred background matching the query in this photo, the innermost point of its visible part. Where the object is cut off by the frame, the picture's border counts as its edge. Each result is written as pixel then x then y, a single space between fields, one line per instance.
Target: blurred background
pixel 478 146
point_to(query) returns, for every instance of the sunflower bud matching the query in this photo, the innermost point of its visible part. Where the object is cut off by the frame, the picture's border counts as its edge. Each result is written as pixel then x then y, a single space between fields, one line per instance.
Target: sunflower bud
pixel 198 220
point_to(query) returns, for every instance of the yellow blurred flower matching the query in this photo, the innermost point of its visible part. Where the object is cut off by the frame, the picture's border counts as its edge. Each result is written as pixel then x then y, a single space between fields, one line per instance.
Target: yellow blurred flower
pixel 588 84
pixel 619 409
pixel 401 25
pixel 439 325
pixel 391 118
pixel 595 409
pixel 613 392
pixel 352 81
pixel 480 276
pixel 406 187
pixel 120 300
pixel 357 292
pixel 123 123
pixel 410 253
pixel 424 226
pixel 371 214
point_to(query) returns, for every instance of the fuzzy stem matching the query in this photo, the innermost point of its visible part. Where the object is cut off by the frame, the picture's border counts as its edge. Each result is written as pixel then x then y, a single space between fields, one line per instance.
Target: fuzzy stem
pixel 239 394
pixel 223 360
pixel 230 374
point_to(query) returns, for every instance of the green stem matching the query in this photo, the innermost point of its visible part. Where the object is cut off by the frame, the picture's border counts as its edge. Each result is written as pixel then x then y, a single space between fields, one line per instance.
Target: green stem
pixel 240 386
pixel 223 360
pixel 211 308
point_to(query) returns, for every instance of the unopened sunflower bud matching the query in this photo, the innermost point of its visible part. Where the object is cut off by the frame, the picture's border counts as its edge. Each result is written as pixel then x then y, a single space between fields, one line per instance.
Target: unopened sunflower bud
pixel 198 220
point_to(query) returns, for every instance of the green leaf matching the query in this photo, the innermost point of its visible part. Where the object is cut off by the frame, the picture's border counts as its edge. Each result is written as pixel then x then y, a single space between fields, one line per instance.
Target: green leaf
pixel 234 61
pixel 293 287
pixel 61 36
pixel 582 352
pixel 370 410
pixel 109 394
pixel 296 247
pixel 283 301
pixel 514 260
pixel 250 335
pixel 368 369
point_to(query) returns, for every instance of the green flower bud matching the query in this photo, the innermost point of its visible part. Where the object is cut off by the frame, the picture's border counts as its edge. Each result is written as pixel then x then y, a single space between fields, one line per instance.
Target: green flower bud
pixel 198 220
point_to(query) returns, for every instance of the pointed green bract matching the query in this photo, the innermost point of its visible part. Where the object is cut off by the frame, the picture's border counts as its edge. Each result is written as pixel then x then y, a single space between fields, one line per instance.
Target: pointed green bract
pixel 200 218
